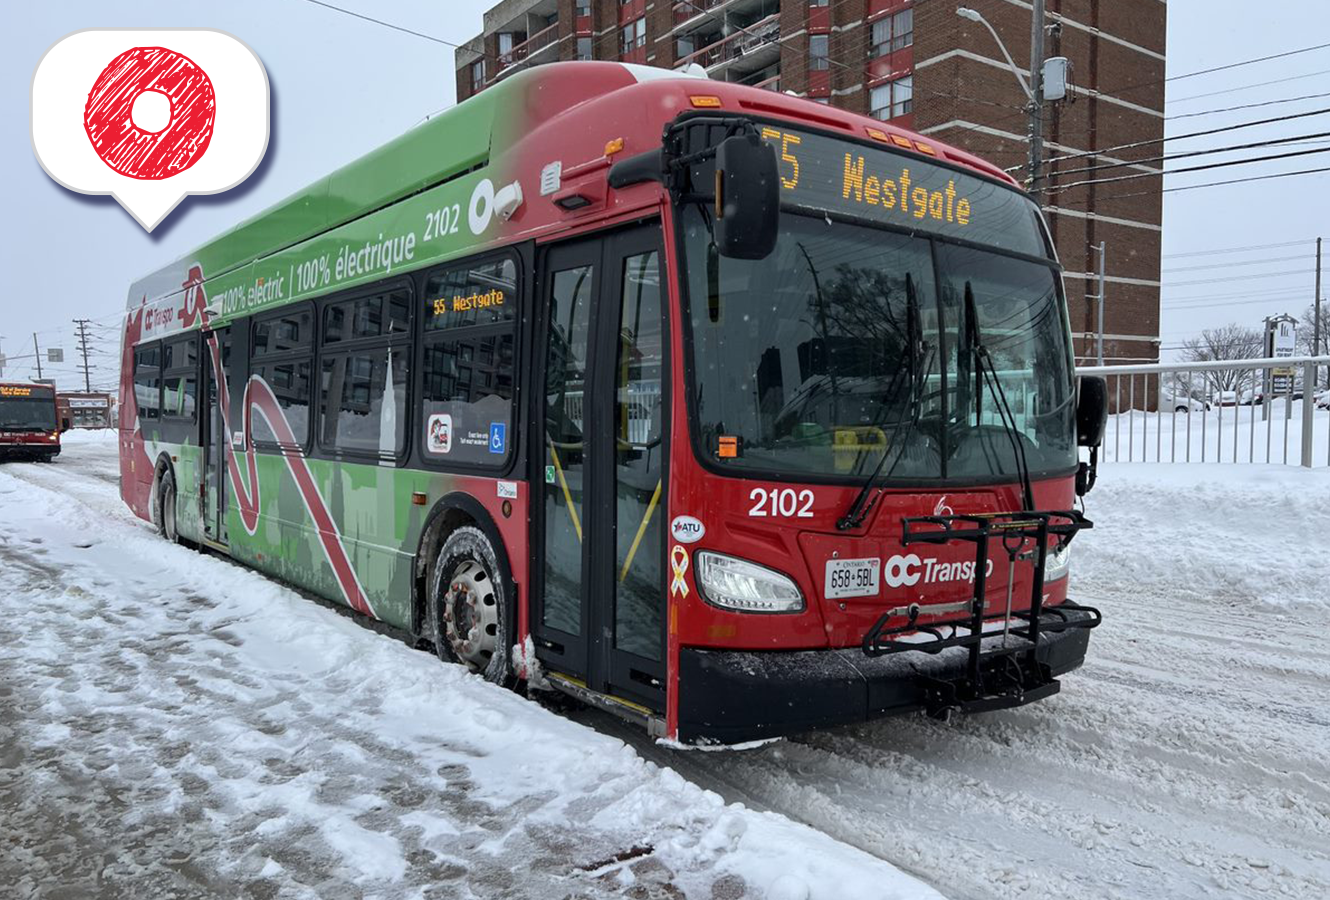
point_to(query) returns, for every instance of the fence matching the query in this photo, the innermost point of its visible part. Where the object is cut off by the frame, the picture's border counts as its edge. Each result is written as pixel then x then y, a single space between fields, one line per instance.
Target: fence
pixel 1228 411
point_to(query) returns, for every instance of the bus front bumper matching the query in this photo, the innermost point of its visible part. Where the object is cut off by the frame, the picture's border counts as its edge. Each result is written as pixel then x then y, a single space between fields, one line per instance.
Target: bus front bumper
pixel 730 697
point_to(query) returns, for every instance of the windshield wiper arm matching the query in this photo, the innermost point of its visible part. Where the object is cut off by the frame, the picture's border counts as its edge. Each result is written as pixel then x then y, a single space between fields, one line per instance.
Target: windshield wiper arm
pixel 860 508
pixel 986 371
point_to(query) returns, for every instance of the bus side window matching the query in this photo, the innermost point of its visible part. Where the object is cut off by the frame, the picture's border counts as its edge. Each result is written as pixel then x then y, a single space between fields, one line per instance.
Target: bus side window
pixel 282 358
pixel 470 315
pixel 180 378
pixel 147 381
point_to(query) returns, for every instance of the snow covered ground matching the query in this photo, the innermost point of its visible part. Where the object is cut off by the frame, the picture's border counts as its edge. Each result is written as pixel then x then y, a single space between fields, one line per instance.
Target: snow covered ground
pixel 171 725
pixel 174 726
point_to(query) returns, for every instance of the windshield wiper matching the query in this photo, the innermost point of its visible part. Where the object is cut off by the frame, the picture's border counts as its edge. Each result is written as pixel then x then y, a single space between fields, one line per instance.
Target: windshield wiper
pixel 986 371
pixel 861 507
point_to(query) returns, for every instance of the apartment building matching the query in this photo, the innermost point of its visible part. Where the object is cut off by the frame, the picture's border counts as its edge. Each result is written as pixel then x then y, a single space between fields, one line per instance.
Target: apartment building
pixel 920 65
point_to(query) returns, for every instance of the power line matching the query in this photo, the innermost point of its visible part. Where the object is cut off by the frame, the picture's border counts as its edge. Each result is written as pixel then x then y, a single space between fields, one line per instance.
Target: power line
pixel 1211 112
pixel 1237 249
pixel 1228 265
pixel 1179 137
pixel 1240 278
pixel 1192 187
pixel 1062 188
pixel 419 34
pixel 1186 154
pixel 1247 87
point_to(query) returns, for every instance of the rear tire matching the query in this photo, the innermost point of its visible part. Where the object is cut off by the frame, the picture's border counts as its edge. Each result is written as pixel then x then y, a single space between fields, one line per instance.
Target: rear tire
pixel 468 610
pixel 166 498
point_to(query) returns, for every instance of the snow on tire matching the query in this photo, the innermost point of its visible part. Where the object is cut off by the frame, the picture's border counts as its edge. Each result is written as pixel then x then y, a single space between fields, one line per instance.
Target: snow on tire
pixel 468 618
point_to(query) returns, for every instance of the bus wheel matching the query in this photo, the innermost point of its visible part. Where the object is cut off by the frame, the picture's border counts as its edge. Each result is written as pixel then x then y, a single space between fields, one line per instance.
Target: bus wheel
pixel 166 503
pixel 467 612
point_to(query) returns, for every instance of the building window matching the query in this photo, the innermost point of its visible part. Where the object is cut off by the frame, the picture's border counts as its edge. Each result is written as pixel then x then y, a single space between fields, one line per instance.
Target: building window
pixel 818 55
pixel 584 48
pixel 477 75
pixel 505 43
pixel 893 98
pixel 683 47
pixel 583 8
pixel 892 33
pixel 634 35
pixel 818 2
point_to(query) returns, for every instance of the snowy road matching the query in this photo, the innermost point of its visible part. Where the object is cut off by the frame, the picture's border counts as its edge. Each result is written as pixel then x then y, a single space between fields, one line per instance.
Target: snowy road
pixel 172 726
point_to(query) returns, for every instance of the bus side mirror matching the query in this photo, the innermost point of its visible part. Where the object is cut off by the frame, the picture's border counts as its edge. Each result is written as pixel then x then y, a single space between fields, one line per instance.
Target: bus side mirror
pixel 1092 411
pixel 747 207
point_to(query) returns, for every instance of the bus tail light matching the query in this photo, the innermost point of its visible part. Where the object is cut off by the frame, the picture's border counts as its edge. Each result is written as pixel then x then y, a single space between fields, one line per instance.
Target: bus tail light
pixel 742 586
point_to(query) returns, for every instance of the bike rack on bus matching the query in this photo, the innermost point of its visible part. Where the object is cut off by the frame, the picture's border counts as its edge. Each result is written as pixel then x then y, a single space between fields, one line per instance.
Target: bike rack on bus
pixel 995 677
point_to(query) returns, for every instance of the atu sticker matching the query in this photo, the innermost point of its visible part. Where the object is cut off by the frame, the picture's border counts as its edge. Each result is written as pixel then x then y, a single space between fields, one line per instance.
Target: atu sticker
pixel 440 433
pixel 687 530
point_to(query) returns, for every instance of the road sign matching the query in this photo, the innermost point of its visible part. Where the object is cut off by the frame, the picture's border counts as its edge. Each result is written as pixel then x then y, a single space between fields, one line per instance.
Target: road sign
pixel 55 355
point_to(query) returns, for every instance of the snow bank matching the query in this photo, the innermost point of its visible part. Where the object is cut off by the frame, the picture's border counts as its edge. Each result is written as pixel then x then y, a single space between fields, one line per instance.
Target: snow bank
pixel 271 740
pixel 1247 536
pixel 77 436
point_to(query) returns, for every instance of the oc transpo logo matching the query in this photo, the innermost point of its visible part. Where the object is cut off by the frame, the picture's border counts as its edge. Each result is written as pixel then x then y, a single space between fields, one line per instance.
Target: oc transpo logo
pixel 909 570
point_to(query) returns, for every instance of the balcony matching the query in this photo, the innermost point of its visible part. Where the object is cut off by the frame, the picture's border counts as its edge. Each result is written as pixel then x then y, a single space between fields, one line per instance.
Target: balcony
pixel 531 52
pixel 742 52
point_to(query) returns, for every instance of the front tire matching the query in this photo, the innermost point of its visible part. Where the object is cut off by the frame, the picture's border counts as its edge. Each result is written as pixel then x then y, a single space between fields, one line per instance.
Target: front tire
pixel 468 610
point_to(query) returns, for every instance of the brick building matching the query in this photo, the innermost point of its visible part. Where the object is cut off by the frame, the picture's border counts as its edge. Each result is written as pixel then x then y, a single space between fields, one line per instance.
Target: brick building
pixel 920 65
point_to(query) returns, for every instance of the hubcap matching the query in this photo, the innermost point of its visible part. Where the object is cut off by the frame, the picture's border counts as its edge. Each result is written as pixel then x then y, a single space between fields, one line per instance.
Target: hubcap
pixel 471 615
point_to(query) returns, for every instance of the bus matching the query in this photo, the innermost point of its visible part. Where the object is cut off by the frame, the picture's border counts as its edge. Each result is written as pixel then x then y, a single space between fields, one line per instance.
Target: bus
pixel 29 428
pixel 730 413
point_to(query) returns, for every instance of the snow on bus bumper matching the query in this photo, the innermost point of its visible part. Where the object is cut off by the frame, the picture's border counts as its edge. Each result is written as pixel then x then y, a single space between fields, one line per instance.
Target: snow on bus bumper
pixel 730 697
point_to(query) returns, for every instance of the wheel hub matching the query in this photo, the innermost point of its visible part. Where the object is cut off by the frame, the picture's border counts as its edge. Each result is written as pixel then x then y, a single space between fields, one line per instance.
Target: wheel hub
pixel 471 615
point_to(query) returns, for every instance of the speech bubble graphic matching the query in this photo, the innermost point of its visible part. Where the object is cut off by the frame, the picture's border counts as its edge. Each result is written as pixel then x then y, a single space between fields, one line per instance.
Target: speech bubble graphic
pixel 149 115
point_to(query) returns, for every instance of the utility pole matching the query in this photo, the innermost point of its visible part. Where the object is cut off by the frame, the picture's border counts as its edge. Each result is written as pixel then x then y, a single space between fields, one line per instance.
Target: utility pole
pixel 1316 317
pixel 37 352
pixel 83 348
pixel 1099 299
pixel 1037 96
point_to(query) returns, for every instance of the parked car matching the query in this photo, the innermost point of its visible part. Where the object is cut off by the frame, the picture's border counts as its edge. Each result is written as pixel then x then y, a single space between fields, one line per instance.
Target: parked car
pixel 1179 402
pixel 1227 398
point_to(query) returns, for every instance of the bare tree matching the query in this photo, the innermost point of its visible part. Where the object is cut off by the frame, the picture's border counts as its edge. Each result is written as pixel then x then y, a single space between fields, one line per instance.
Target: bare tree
pixel 1232 341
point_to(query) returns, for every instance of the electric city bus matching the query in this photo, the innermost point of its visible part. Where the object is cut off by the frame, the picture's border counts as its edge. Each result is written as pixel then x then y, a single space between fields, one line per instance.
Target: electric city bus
pixel 729 412
pixel 29 428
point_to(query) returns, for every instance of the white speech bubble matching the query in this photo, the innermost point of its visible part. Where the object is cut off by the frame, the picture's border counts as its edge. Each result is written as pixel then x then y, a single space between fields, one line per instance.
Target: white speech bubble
pixel 106 106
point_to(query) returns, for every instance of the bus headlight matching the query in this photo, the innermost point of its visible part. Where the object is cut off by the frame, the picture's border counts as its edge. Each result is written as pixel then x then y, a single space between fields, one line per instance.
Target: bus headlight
pixel 1058 563
pixel 739 585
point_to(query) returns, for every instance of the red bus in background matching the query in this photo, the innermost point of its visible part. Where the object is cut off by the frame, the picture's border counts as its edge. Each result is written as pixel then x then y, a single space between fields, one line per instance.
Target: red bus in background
pixel 29 427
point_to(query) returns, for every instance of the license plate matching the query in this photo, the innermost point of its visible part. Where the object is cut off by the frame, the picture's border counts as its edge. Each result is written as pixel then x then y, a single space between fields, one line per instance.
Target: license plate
pixel 853 577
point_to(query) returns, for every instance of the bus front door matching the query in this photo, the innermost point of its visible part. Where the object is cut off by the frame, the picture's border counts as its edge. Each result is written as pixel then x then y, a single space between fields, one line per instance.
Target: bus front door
pixel 599 608
pixel 213 439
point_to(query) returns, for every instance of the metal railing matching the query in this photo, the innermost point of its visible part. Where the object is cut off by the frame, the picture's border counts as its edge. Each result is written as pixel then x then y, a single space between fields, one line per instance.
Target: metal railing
pixel 508 62
pixel 733 46
pixel 1263 411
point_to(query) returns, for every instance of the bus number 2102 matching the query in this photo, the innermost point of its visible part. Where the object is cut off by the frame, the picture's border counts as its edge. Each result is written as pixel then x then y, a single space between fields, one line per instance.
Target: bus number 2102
pixel 442 222
pixel 781 503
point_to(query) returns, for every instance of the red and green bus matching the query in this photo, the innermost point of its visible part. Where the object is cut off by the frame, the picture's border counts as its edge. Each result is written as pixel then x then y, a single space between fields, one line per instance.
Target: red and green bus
pixel 720 409
pixel 29 428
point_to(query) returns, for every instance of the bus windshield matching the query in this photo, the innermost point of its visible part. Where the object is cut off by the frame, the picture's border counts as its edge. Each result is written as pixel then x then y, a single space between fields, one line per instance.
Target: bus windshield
pixel 35 412
pixel 849 343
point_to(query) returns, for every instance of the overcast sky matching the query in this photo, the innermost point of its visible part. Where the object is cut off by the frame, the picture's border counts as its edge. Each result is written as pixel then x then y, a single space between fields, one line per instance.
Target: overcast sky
pixel 342 86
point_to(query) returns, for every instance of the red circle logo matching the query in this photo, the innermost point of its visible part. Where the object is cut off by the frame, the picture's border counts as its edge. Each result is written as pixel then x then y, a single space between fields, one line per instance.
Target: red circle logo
pixel 133 149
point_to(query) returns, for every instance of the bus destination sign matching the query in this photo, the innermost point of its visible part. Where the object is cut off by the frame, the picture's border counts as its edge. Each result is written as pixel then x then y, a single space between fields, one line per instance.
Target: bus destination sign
pixel 825 174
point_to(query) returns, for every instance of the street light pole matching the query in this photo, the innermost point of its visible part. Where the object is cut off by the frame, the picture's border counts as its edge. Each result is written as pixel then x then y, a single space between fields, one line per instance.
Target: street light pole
pixel 1034 89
